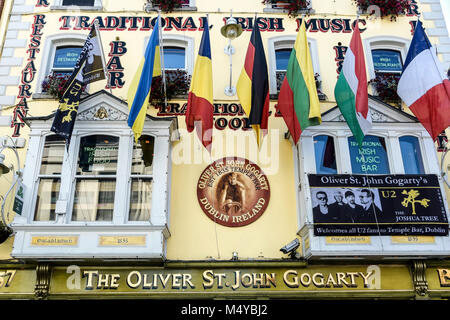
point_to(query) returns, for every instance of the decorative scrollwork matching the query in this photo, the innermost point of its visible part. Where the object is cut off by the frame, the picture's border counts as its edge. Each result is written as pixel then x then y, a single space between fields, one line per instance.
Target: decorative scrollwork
pixel 41 289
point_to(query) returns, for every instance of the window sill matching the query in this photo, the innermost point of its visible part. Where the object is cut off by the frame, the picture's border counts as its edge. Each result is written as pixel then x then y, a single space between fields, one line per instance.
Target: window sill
pixel 150 9
pixel 45 96
pixel 71 8
pixel 281 10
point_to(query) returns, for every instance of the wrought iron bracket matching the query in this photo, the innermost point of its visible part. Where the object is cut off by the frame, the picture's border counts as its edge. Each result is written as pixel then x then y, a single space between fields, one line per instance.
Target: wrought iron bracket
pixel 420 282
pixel 42 287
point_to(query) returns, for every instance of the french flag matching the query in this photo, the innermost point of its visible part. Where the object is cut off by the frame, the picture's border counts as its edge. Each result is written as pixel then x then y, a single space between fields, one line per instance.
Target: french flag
pixel 424 86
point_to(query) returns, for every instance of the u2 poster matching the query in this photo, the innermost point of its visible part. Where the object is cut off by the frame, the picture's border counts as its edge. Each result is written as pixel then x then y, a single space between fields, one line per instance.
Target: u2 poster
pixel 377 205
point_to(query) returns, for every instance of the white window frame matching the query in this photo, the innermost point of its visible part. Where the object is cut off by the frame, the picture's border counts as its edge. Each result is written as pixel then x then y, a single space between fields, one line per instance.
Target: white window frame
pixel 387 43
pixel 51 44
pixel 187 43
pixel 269 8
pixel 58 5
pixel 287 42
pixel 391 129
pixel 155 229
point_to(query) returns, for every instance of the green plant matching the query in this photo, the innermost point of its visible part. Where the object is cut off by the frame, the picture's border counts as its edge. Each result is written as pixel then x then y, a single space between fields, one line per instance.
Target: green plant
pixel 387 8
pixel 55 85
pixel 168 5
pixel 177 83
pixel 293 6
pixel 385 85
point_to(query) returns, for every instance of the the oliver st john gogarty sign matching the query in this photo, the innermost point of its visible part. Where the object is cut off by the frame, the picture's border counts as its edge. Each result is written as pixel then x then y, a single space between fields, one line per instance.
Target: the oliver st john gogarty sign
pixel 377 205
pixel 233 191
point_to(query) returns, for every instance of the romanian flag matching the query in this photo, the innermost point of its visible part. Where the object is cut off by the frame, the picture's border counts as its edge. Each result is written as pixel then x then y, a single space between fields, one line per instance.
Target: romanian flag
pixel 253 85
pixel 423 86
pixel 351 90
pixel 200 100
pixel 298 102
pixel 140 87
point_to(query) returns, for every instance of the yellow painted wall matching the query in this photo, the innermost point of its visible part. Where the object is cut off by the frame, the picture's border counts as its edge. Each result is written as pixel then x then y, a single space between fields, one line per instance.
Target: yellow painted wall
pixel 193 234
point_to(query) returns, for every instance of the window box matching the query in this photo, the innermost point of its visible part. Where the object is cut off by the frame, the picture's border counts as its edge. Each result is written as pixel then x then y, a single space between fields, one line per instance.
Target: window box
pixel 168 6
pixel 292 7
pixel 109 199
pixel 385 85
pixel 177 84
pixel 392 8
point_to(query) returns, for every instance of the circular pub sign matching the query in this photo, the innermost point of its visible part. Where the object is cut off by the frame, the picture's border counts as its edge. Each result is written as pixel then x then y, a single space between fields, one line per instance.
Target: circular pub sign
pixel 233 192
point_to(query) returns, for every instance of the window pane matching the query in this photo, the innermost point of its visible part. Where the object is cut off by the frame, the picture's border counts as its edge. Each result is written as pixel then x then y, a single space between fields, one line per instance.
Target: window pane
pixel 325 155
pixel 52 155
pixel 47 196
pixel 94 200
pixel 140 199
pixel 174 58
pixel 78 2
pixel 142 162
pixel 411 155
pixel 282 58
pixel 372 158
pixel 387 60
pixel 98 155
pixel 66 57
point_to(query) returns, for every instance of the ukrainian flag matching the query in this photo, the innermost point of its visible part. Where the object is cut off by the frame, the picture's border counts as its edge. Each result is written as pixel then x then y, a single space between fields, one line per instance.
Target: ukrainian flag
pixel 139 91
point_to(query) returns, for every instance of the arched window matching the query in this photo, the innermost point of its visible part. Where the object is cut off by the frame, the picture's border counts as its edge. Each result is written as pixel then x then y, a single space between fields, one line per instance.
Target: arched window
pixel 49 179
pixel 372 158
pixel 174 58
pixel 65 60
pixel 325 155
pixel 411 155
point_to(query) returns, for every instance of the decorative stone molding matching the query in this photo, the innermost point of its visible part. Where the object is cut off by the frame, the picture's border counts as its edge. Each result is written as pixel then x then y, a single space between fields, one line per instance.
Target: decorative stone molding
pixel 376 117
pixel 102 113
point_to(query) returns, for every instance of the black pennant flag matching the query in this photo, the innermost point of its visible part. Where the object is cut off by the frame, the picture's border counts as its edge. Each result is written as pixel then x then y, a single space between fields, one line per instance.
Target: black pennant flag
pixel 88 68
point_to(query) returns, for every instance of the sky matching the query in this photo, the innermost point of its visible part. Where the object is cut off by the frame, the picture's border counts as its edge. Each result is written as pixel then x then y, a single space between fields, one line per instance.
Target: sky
pixel 445 4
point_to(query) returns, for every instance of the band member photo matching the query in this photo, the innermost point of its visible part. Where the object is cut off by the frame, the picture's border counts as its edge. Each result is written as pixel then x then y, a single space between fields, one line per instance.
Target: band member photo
pixel 322 212
pixel 371 212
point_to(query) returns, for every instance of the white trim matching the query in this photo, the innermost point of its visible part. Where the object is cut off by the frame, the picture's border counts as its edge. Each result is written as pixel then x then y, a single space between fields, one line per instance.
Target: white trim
pixel 48 54
pixel 58 5
pixel 384 42
pixel 182 42
pixel 287 42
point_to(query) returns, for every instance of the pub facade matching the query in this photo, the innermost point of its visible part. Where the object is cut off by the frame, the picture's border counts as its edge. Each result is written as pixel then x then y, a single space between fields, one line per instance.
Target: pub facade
pixel 107 216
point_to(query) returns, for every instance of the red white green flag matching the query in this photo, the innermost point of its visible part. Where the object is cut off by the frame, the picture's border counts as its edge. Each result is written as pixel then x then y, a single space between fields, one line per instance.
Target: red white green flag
pixel 351 89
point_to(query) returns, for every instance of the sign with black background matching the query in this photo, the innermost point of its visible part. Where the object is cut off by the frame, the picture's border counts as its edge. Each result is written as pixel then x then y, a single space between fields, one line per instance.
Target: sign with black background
pixel 377 205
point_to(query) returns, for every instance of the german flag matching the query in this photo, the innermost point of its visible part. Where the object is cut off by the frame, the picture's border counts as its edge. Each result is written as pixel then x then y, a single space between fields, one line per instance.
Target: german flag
pixel 253 85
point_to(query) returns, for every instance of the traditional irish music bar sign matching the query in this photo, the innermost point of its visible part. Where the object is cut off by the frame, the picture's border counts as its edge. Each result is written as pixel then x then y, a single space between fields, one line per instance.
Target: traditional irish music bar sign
pixel 233 192
pixel 377 205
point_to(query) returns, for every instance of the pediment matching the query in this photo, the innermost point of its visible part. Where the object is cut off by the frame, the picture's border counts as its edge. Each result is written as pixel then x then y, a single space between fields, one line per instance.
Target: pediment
pixel 102 106
pixel 379 111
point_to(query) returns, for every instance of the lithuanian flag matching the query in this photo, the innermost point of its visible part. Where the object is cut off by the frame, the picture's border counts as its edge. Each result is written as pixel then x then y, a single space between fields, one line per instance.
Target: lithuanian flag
pixel 253 85
pixel 298 102
pixel 199 110
pixel 141 85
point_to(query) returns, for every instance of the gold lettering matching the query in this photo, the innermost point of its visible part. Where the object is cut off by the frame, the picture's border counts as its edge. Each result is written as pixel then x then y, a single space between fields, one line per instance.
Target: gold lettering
pixel 138 278
pixel 103 281
pixel 366 278
pixel 176 278
pixel 164 280
pixel 187 280
pixel 237 277
pixel 352 276
pixel 270 280
pixel 331 280
pixel 114 278
pixel 90 276
pixel 308 279
pixel 247 283
pixel 444 277
pixel 208 279
pixel 289 283
pixel 320 283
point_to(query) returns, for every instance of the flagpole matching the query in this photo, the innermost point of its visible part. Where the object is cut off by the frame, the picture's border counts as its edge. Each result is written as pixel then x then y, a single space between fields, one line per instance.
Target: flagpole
pixel 97 31
pixel 161 58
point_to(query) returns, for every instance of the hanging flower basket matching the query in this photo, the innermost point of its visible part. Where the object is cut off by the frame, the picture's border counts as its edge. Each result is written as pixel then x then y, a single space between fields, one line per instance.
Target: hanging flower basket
pixel 5 232
pixel 385 85
pixel 385 8
pixel 167 6
pixel 55 85
pixel 177 83
pixel 293 6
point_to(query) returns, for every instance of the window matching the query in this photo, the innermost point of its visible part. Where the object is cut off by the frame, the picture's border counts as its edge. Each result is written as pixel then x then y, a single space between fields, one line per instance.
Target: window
pixel 141 179
pixel 325 155
pixel 95 180
pixel 49 178
pixel 389 61
pixel 67 4
pixel 65 59
pixel 103 187
pixel 279 53
pixel 174 58
pixel 372 158
pixel 78 2
pixel 411 155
